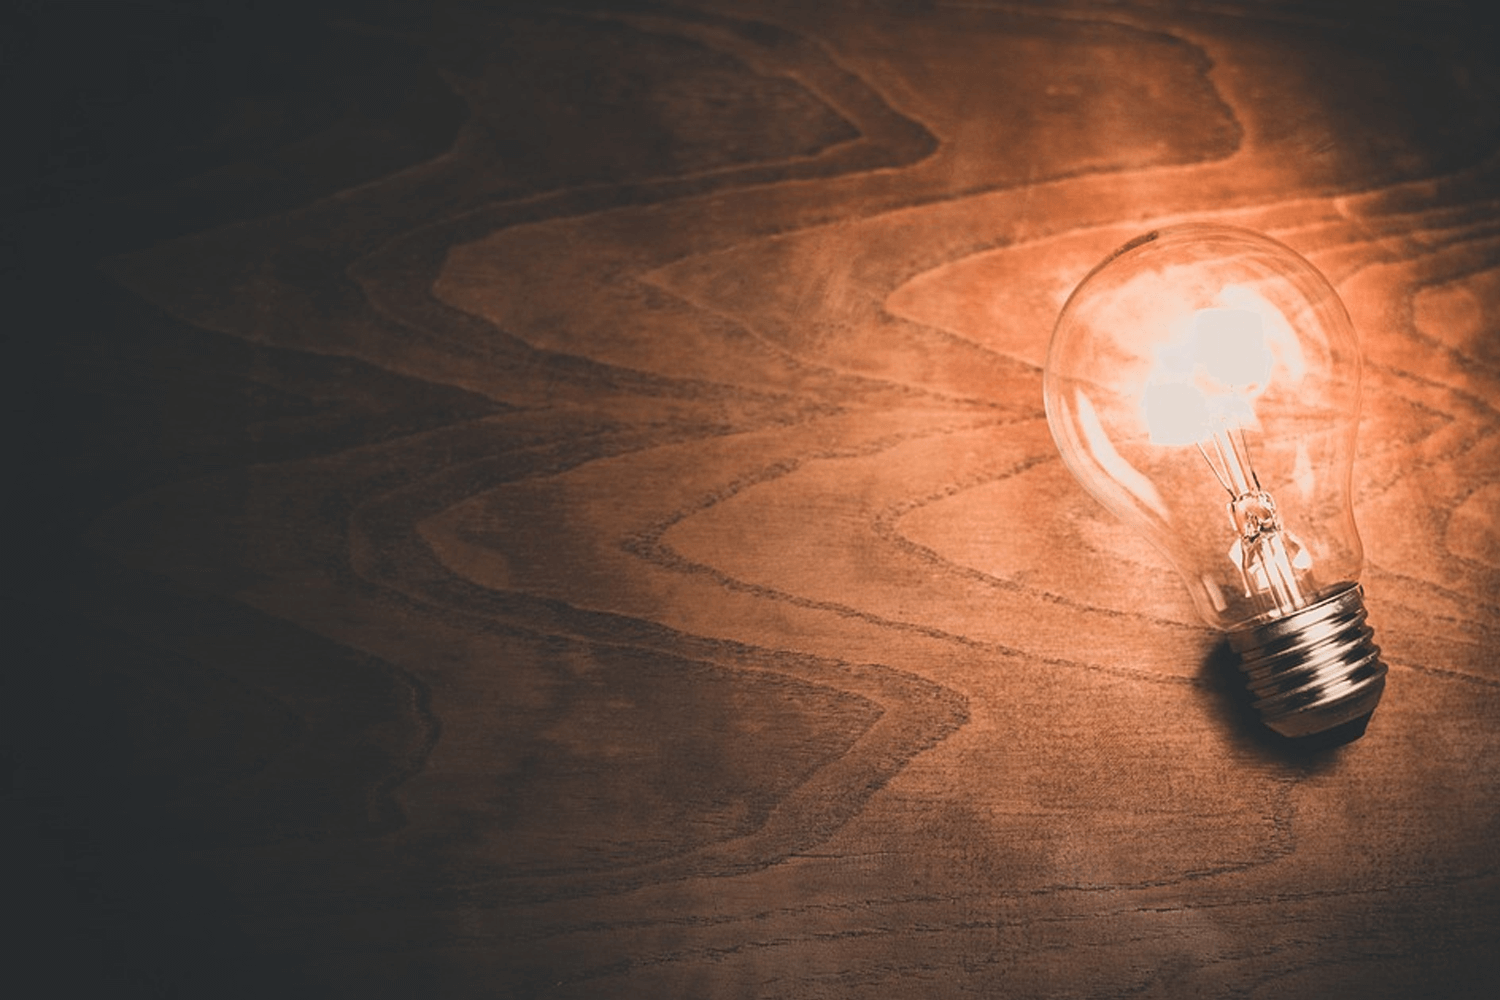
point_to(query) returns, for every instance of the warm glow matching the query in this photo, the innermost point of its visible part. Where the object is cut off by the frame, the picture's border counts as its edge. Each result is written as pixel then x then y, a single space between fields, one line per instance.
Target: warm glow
pixel 1231 349
pixel 1204 379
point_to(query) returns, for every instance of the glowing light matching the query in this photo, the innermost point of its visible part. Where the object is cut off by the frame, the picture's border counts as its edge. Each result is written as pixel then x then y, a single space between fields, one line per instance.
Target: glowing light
pixel 1203 383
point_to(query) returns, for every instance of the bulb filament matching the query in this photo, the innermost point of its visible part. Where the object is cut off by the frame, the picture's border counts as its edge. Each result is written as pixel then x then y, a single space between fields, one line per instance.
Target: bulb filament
pixel 1267 555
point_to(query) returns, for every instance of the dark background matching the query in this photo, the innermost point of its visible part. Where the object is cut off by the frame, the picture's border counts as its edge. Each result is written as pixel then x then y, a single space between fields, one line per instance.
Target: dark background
pixel 530 500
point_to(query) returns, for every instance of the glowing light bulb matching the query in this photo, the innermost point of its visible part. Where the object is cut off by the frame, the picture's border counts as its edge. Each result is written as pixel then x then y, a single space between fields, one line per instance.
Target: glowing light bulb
pixel 1203 384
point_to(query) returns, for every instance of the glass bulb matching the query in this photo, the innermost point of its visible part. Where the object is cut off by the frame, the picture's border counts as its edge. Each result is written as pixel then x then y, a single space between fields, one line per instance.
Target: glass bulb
pixel 1203 385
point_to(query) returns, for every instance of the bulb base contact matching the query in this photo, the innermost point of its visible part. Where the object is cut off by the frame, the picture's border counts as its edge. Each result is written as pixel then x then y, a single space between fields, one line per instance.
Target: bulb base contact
pixel 1315 669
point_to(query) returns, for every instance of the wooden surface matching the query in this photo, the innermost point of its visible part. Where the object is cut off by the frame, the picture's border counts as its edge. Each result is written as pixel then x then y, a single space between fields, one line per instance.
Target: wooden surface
pixel 556 502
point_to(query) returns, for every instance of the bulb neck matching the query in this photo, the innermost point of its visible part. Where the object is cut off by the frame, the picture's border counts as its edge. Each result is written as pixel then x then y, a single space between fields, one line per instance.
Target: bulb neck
pixel 1316 669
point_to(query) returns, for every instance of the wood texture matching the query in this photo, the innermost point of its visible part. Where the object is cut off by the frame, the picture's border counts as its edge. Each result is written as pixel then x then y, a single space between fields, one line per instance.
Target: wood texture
pixel 555 501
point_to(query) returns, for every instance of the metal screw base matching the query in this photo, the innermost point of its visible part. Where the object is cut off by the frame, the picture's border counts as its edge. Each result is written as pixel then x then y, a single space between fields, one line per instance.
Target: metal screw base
pixel 1315 669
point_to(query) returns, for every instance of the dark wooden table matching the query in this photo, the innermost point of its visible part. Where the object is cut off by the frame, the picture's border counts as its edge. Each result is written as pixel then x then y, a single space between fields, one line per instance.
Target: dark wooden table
pixel 555 501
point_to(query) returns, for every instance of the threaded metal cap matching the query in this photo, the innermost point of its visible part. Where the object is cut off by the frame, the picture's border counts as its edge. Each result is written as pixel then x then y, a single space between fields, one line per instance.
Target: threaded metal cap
pixel 1316 669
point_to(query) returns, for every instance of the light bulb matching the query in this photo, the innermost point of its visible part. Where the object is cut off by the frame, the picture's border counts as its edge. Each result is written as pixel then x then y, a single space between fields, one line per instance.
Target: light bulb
pixel 1203 384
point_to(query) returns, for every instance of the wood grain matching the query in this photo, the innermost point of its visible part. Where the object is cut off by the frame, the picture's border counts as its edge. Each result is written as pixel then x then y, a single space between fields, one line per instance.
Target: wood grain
pixel 555 501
